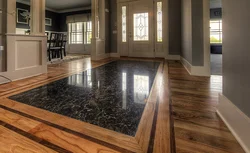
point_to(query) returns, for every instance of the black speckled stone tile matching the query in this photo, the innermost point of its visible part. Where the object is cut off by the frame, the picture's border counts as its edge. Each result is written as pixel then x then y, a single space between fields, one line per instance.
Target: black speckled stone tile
pixel 111 96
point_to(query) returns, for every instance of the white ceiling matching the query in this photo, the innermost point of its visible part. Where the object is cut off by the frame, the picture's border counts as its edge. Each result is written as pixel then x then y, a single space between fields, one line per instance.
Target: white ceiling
pixel 215 4
pixel 62 5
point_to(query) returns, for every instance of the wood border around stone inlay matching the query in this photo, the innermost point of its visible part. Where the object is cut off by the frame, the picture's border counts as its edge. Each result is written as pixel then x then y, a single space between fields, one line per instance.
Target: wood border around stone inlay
pixel 34 138
pixel 46 81
pixel 115 140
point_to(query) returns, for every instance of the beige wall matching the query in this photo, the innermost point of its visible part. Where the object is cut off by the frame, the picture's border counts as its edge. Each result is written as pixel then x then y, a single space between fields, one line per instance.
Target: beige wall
pixel 194 15
pixel 24 55
pixel 236 54
pixel 197 33
pixel 187 30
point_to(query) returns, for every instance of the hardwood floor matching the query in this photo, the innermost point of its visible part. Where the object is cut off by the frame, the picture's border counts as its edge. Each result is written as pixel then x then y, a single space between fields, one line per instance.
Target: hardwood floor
pixel 59 133
pixel 180 116
pixel 197 127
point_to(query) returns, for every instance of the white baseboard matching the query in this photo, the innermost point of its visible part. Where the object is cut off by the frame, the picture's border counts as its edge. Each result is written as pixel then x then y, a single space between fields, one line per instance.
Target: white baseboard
pixel 3 80
pixel 173 57
pixel 100 57
pixel 9 76
pixel 114 55
pixel 237 122
pixel 195 70
pixel 160 54
pixel 187 65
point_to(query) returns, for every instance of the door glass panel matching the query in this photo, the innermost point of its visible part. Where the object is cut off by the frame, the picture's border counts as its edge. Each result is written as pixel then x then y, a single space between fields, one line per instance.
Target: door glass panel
pixel 159 21
pixel 141 27
pixel 124 24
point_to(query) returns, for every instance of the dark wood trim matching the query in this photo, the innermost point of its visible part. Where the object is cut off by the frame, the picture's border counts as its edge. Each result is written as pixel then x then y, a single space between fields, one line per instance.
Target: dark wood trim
pixel 66 130
pixel 153 130
pixel 34 138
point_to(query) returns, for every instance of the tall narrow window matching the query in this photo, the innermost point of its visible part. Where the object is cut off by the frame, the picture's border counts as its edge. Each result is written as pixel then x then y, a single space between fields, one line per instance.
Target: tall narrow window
pixel 76 33
pixel 216 31
pixel 124 24
pixel 88 32
pixel 141 27
pixel 159 21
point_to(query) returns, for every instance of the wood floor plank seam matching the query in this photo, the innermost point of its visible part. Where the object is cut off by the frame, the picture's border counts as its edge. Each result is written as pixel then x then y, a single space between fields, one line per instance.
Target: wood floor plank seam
pixel 153 130
pixel 162 140
pixel 196 142
pixel 142 144
pixel 34 138
pixel 172 137
pixel 182 120
pixel 67 130
pixel 197 127
pixel 143 140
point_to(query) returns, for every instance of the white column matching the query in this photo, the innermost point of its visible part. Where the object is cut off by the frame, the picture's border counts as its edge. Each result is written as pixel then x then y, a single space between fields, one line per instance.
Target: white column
pixel 102 18
pixel 37 23
pixel 98 42
pixel 11 16
pixel 94 11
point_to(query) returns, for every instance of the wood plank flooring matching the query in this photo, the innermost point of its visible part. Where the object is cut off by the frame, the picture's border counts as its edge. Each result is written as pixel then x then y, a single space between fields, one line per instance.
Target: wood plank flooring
pixel 180 117
pixel 57 133
pixel 197 127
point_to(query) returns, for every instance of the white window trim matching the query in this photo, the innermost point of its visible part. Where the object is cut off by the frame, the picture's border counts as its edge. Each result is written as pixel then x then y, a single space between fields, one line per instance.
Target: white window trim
pixel 70 33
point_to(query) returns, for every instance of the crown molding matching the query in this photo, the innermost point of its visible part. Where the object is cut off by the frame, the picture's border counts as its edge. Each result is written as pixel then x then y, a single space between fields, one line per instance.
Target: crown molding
pixel 75 9
pixel 61 11
pixel 27 3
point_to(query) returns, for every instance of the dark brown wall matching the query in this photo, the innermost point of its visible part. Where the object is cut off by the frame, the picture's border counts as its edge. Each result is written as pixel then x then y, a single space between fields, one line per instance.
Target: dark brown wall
pixel 113 24
pixel 174 27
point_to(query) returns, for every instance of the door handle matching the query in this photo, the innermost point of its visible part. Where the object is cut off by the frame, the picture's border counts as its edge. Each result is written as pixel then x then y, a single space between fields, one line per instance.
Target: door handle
pixel 130 34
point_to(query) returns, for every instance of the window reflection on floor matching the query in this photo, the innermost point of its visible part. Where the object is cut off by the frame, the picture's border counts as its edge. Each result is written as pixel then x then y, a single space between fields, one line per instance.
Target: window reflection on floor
pixel 141 88
pixel 81 80
pixel 124 90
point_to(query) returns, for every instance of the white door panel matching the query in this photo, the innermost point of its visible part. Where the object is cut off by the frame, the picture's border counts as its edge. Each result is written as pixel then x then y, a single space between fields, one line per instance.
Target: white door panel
pixel 136 28
pixel 141 28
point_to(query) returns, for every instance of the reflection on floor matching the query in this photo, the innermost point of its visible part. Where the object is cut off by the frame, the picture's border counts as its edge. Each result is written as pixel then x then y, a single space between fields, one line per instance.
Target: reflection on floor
pixel 216 64
pixel 197 127
pixel 69 57
pixel 112 96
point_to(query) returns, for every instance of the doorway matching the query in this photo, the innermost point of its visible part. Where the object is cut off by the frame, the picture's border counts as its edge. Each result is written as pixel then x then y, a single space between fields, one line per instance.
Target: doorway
pixel 216 37
pixel 140 28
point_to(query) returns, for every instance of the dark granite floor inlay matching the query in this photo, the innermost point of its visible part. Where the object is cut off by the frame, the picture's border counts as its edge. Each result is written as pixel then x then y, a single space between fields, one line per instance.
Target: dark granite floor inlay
pixel 112 96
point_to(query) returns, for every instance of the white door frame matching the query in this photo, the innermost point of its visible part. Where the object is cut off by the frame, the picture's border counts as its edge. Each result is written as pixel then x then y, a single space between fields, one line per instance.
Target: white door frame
pixel 161 49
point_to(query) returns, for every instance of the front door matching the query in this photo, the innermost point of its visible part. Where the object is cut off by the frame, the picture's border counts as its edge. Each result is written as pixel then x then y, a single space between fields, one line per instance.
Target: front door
pixel 137 29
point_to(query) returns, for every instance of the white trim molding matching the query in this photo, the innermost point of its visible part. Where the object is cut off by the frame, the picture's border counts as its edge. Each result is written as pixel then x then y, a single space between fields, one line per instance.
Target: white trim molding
pixel 173 57
pixel 60 11
pixel 115 55
pixel 74 9
pixel 195 70
pixel 237 122
pixel 21 48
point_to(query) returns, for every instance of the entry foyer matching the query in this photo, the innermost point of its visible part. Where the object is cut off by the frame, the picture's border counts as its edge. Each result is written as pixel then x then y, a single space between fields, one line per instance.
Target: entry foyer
pixel 122 76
